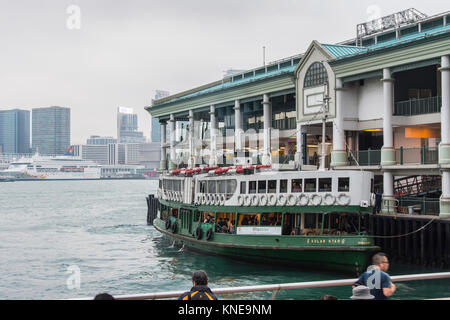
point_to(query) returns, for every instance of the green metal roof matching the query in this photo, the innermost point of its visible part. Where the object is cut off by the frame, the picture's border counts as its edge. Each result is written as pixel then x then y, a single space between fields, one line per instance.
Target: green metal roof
pixel 338 51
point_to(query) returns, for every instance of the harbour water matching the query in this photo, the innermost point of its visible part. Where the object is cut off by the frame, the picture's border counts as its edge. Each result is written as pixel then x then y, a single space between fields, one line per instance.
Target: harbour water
pixel 51 230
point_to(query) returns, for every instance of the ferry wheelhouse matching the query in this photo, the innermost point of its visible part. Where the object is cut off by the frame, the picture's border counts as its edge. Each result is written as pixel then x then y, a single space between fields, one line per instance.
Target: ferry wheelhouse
pixel 316 219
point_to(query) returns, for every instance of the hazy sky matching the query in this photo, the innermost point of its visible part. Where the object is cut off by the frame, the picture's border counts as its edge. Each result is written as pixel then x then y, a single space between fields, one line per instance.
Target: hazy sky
pixel 125 50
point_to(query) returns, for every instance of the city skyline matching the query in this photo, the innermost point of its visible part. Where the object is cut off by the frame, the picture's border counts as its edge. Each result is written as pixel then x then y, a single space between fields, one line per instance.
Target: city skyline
pixel 123 52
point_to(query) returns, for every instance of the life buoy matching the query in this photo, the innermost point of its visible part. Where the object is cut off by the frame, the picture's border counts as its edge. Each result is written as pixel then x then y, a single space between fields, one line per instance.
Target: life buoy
pixel 168 224
pixel 292 200
pixel 217 200
pixel 174 227
pixel 343 199
pixel 247 200
pixel 255 200
pixel 222 199
pixel 209 234
pixel 263 200
pixel 316 200
pixel 198 233
pixel 240 200
pixel 329 199
pixel 282 200
pixel 203 199
pixel 303 200
pixel 272 200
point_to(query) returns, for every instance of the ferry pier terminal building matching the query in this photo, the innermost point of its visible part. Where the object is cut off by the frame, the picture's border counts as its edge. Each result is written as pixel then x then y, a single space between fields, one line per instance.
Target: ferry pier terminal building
pixel 384 95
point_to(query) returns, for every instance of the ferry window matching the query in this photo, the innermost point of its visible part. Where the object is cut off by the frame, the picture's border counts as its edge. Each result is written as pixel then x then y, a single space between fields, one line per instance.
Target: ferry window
pixel 271 219
pixel 283 186
pixel 249 219
pixel 196 216
pixel 160 184
pixel 243 187
pixel 211 186
pixel 169 185
pixel 222 185
pixel 231 186
pixel 262 186
pixel 325 185
pixel 202 186
pixel 296 185
pixel 272 186
pixel 310 185
pixel 343 184
pixel 252 187
pixel 310 221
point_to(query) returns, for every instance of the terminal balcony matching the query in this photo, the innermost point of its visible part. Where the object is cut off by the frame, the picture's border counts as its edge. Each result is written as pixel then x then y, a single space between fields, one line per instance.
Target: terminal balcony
pixel 423 155
pixel 414 107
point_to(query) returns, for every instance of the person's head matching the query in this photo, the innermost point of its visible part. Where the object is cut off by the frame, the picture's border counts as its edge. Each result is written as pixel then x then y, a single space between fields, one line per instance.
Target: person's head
pixel 200 278
pixel 361 293
pixel 328 297
pixel 104 296
pixel 381 261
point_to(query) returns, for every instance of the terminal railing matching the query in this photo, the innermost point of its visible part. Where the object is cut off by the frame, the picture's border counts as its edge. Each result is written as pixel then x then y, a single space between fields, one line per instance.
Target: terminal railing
pixel 414 107
pixel 276 288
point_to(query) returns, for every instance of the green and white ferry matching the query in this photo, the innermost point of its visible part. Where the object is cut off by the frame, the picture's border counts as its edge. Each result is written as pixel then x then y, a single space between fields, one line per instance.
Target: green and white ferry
pixel 315 219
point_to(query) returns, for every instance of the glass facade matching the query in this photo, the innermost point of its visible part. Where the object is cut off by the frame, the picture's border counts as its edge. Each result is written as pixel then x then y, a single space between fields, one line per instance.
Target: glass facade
pixel 15 131
pixel 51 130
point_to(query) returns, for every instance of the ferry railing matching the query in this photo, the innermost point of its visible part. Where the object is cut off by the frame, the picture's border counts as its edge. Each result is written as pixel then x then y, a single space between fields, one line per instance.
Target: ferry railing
pixel 276 288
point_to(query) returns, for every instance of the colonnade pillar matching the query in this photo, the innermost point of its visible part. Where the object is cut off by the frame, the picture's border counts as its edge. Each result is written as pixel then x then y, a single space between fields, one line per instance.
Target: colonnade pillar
pixel 444 147
pixel 163 162
pixel 172 161
pixel 388 150
pixel 267 155
pixel 213 135
pixel 238 131
pixel 339 153
pixel 191 161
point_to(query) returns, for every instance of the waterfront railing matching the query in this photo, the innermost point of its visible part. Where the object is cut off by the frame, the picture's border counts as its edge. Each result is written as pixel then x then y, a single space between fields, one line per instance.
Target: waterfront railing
pixel 276 288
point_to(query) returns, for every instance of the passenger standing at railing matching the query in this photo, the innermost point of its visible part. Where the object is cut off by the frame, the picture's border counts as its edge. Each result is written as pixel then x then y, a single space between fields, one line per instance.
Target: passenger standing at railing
pixel 377 279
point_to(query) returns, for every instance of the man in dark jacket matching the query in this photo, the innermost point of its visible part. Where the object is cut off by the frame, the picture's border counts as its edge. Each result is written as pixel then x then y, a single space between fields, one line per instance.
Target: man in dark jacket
pixel 200 290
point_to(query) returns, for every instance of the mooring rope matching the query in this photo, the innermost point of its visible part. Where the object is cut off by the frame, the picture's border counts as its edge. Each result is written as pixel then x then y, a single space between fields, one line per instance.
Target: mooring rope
pixel 408 234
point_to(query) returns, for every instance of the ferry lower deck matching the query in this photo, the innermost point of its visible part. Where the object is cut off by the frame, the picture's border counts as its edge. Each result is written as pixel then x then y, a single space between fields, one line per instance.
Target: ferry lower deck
pixel 319 240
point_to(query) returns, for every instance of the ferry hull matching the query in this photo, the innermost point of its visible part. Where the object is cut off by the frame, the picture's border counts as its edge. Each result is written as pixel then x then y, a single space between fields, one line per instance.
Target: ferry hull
pixel 345 259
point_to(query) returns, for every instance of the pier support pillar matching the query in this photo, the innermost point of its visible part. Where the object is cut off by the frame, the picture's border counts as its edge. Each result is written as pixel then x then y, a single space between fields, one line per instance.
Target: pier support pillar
pixel 213 136
pixel 267 155
pixel 389 203
pixel 388 150
pixel 444 147
pixel 339 153
pixel 173 135
pixel 163 162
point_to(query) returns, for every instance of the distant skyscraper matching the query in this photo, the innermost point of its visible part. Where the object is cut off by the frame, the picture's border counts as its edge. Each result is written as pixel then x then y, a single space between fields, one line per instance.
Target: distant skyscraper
pixel 127 127
pixel 155 127
pixel 51 130
pixel 15 131
pixel 97 140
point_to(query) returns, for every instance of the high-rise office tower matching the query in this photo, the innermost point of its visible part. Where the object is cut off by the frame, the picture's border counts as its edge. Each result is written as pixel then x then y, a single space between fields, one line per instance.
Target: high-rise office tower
pixel 127 127
pixel 15 131
pixel 51 130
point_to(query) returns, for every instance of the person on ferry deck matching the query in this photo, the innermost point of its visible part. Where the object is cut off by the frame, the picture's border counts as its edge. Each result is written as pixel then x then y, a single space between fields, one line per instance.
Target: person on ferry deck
pixel 245 221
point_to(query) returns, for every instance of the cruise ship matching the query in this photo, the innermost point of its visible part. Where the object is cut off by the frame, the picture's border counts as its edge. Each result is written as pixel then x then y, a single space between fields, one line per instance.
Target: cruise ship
pixel 52 168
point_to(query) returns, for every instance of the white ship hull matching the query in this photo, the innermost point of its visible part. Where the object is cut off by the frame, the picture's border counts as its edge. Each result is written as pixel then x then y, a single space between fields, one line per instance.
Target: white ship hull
pixel 52 168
